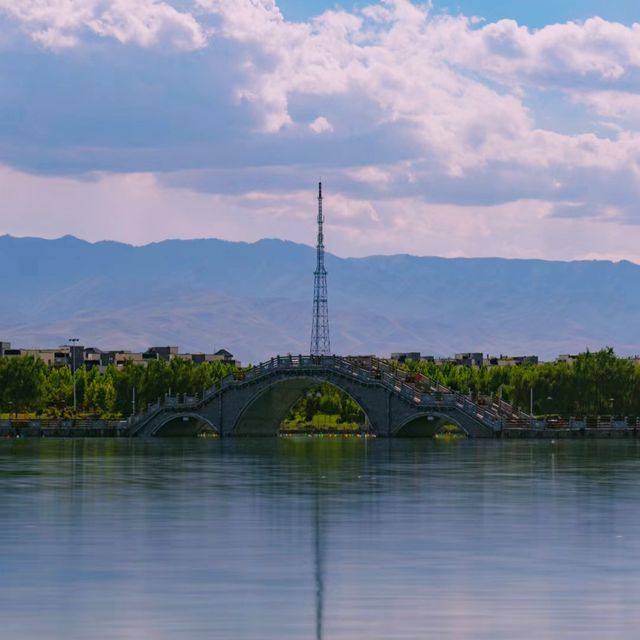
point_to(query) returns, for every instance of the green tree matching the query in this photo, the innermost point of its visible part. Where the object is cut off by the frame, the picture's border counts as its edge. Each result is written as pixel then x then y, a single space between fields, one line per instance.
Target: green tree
pixel 58 391
pixel 100 396
pixel 21 383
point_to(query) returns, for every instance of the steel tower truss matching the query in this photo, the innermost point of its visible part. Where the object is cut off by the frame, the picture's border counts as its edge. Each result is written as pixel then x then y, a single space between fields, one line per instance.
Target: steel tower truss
pixel 320 343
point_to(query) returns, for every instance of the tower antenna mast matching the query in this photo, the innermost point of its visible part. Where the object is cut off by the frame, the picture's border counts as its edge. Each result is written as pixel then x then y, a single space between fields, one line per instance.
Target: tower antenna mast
pixel 320 343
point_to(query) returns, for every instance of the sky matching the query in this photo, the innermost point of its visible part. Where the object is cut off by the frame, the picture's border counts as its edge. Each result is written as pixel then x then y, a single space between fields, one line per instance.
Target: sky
pixel 461 128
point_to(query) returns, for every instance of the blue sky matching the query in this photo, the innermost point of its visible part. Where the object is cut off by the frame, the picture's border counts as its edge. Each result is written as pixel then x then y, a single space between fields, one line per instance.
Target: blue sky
pixel 433 132
pixel 534 13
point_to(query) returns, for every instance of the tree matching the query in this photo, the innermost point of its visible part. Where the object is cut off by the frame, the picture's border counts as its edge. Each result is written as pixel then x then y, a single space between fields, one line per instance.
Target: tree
pixel 58 391
pixel 21 383
pixel 100 396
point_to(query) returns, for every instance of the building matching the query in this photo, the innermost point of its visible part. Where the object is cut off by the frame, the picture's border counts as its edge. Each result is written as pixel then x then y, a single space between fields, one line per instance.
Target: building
pixel 120 358
pixel 220 356
pixel 92 357
pixel 76 356
pixel 406 355
pixel 50 357
pixel 224 355
pixel 470 359
pixel 567 357
pixel 162 353
pixel 510 361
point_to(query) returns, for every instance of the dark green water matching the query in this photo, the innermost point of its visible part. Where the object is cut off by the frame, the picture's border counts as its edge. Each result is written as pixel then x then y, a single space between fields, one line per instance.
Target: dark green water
pixel 343 539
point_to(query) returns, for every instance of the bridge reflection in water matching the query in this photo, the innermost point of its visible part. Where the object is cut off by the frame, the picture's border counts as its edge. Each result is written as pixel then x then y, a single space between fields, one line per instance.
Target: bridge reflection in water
pixel 255 402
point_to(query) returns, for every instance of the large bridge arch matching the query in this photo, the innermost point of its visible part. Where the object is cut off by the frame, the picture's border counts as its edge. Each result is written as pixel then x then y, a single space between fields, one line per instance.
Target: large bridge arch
pixel 264 411
pixel 184 423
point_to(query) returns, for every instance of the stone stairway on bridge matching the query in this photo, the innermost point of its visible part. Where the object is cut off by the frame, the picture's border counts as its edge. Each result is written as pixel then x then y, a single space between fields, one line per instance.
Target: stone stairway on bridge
pixel 496 410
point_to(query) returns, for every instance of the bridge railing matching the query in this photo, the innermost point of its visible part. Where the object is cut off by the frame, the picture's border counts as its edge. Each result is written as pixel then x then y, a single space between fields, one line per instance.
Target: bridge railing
pixel 440 394
pixel 484 413
pixel 509 410
pixel 152 410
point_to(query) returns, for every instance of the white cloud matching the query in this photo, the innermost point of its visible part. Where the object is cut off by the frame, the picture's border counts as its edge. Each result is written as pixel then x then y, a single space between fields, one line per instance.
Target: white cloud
pixel 560 54
pixel 458 87
pixel 413 68
pixel 321 125
pixel 620 106
pixel 429 115
pixel 59 24
pixel 138 208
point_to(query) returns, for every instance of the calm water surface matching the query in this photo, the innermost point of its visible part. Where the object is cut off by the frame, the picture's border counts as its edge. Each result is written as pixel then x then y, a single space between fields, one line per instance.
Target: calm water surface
pixel 341 539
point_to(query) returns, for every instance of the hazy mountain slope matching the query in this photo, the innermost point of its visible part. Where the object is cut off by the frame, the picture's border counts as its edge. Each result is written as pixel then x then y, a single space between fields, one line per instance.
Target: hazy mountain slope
pixel 255 299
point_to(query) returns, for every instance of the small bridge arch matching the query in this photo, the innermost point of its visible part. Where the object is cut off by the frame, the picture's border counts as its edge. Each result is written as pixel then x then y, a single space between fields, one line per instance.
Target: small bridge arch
pixel 183 423
pixel 427 425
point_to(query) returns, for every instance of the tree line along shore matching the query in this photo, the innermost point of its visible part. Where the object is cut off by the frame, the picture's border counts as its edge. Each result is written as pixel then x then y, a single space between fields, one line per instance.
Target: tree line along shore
pixel 596 383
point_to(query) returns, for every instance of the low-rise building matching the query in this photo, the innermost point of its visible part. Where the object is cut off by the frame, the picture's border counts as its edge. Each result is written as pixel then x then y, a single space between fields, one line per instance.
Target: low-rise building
pixel 50 357
pixel 76 356
pixel 442 361
pixel 120 358
pixel 567 357
pixel 510 361
pixel 92 357
pixel 469 359
pixel 224 355
pixel 403 356
pixel 163 353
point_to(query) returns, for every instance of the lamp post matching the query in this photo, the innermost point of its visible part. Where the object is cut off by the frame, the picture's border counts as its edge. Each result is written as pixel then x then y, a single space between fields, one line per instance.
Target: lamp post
pixel 531 402
pixel 74 342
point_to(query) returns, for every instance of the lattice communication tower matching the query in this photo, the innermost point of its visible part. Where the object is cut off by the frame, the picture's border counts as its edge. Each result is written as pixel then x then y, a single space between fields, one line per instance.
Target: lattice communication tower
pixel 320 343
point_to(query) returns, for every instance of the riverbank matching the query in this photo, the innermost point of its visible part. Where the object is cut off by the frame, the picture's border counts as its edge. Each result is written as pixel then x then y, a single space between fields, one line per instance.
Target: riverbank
pixel 63 429
pixel 86 428
pixel 573 434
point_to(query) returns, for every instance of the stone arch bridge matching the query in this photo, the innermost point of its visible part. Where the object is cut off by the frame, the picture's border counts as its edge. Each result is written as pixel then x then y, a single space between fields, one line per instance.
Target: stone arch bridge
pixel 255 402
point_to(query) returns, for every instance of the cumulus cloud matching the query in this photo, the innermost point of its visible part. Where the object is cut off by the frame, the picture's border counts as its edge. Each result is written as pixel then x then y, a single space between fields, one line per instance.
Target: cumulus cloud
pixel 321 125
pixel 394 105
pixel 592 52
pixel 619 109
pixel 460 87
pixel 59 24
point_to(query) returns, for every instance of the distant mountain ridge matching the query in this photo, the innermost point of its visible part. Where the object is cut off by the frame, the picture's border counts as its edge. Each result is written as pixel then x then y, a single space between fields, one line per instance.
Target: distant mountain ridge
pixel 255 299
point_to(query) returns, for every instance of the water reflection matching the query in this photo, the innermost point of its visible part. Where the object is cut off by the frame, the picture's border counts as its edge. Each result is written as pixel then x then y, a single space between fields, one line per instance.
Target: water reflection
pixel 319 566
pixel 318 537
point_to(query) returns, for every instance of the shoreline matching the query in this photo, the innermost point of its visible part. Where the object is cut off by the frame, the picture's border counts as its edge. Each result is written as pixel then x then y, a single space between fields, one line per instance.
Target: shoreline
pixel 10 429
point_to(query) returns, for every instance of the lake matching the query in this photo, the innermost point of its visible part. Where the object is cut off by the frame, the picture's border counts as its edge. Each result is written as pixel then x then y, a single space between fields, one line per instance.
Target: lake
pixel 334 538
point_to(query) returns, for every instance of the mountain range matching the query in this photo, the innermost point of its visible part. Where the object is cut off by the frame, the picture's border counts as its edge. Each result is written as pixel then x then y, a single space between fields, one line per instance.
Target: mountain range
pixel 255 299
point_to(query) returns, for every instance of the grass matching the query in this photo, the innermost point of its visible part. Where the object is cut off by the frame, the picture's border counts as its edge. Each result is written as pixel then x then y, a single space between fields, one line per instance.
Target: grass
pixel 321 422
pixel 449 432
